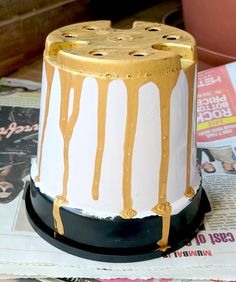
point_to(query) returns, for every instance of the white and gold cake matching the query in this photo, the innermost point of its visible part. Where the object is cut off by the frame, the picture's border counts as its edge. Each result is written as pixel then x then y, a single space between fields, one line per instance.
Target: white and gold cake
pixel 117 122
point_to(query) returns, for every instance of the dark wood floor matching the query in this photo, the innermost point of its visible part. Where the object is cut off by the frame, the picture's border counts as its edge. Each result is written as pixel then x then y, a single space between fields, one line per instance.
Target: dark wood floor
pixel 154 13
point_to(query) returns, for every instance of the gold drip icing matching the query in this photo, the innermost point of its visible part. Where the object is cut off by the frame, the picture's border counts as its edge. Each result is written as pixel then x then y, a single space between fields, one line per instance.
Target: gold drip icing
pixel 166 85
pixel 189 70
pixel 131 124
pixel 102 105
pixel 49 69
pixel 67 123
pixel 164 210
pixel 58 202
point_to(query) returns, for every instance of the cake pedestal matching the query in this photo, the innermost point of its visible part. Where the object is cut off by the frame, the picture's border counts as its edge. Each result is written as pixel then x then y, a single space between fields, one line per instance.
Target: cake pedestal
pixel 117 239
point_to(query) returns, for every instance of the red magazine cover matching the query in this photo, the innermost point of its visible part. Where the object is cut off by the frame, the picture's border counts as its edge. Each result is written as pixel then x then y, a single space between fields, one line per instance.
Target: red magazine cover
pixel 216 119
pixel 216 106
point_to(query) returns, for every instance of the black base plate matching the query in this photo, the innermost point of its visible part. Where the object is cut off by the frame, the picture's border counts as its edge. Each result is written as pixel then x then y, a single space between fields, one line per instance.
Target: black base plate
pixel 113 240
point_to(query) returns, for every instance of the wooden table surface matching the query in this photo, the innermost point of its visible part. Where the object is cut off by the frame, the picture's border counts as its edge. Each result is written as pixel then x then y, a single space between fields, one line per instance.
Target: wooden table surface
pixel 154 13
pixel 31 71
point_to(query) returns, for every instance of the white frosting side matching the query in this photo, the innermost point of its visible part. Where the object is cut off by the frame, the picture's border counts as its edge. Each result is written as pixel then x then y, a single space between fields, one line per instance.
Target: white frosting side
pixel 146 155
pixel 112 163
pixel 52 153
pixel 178 140
pixel 82 148
pixel 42 106
pixel 147 150
pixel 194 174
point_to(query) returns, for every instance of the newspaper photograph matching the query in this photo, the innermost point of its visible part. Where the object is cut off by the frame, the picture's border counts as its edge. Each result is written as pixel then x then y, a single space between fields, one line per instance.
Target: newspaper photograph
pixel 211 255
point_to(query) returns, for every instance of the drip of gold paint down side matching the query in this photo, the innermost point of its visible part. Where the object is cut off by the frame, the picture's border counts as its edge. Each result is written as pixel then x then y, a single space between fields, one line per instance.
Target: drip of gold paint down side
pixel 190 73
pixel 102 105
pixel 163 207
pixel 49 70
pixel 131 124
pixel 66 126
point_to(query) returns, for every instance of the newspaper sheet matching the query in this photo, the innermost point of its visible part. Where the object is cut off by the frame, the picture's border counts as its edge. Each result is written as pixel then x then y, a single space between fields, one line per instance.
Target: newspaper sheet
pixel 216 128
pixel 211 255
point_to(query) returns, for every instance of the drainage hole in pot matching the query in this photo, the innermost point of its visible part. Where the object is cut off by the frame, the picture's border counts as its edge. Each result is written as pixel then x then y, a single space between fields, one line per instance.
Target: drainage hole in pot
pixel 69 35
pixel 98 53
pixel 171 37
pixel 88 27
pixel 152 28
pixel 138 53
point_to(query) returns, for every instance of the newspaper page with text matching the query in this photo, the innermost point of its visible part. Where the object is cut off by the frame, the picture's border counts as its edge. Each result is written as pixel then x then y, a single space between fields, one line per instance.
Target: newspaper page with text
pixel 210 255
pixel 216 120
pixel 216 126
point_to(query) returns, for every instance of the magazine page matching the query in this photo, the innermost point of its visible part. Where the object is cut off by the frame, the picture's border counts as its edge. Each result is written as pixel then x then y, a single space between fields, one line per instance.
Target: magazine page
pixel 18 141
pixel 216 121
pixel 18 136
pixel 24 254
pixel 216 107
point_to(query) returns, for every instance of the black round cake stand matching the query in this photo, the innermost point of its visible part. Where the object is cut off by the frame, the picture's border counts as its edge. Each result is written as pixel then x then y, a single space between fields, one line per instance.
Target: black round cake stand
pixel 114 239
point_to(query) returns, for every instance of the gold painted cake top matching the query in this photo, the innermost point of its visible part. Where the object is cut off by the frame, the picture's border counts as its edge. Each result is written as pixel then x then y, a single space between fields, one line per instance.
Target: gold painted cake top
pixel 82 46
